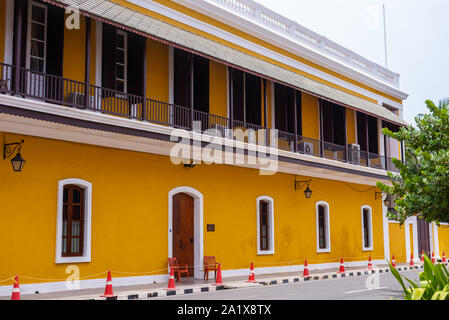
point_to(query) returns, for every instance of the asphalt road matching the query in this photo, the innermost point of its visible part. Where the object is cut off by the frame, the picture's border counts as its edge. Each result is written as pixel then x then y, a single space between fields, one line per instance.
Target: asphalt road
pixel 367 287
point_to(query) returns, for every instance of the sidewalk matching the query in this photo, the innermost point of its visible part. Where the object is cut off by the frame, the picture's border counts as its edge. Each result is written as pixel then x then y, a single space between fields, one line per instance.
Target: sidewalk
pixel 198 285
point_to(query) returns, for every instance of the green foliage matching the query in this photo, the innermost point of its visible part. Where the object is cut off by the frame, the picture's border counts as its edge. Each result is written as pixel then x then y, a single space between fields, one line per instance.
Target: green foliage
pixel 433 285
pixel 422 186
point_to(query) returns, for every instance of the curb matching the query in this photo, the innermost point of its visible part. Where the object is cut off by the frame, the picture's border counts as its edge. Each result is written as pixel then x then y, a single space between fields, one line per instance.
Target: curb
pixel 266 282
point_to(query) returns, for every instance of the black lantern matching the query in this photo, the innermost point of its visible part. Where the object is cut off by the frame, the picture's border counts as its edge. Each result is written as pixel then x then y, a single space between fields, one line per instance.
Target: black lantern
pixel 308 192
pixel 17 162
pixel 387 201
pixel 300 184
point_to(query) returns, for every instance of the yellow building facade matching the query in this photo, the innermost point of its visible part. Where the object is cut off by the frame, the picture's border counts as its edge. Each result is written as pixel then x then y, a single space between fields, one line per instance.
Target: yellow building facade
pixel 101 104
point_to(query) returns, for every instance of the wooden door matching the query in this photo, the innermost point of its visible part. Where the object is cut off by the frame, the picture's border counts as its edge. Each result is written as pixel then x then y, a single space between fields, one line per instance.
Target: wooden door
pixel 183 226
pixel 423 237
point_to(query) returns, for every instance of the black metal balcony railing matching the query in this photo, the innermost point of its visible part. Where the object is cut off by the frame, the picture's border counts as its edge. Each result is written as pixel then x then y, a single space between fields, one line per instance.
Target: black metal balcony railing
pixel 66 92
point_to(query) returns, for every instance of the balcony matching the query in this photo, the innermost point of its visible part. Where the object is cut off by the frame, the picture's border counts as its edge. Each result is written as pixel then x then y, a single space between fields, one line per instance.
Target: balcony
pixel 57 90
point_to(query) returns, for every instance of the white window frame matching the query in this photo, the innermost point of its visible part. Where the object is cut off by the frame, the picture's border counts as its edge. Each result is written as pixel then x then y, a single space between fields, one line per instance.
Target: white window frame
pixel 370 228
pixel 28 45
pixel 125 64
pixel 87 186
pixel 327 229
pixel 270 227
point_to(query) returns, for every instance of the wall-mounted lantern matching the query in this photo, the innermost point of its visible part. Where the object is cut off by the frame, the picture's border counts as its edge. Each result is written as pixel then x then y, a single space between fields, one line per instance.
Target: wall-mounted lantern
pixel 8 150
pixel 300 184
pixel 387 200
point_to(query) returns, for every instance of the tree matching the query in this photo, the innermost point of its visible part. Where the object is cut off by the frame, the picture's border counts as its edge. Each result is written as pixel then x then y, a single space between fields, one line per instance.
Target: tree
pixel 422 186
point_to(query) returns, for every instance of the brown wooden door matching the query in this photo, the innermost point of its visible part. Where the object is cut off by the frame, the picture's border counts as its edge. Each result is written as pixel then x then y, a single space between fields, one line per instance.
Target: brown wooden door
pixel 423 237
pixel 183 226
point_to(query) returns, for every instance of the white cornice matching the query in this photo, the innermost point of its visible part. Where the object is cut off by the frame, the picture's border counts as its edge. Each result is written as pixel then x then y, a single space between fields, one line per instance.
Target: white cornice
pixel 269 35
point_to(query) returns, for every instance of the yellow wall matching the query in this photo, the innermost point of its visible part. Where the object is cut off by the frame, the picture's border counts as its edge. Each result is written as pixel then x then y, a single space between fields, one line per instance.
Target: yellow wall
pixel 129 212
pixel 350 125
pixel 74 54
pixel 411 239
pixel 443 240
pixel 310 117
pixel 218 104
pixel 397 242
pixel 2 29
pixel 157 71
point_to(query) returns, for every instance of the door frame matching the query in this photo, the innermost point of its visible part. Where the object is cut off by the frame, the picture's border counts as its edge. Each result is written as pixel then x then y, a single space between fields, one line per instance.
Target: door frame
pixel 198 226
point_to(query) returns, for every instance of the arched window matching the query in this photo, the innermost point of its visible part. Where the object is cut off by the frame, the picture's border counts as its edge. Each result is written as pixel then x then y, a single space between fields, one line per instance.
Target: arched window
pixel 265 225
pixel 74 218
pixel 72 221
pixel 367 228
pixel 322 227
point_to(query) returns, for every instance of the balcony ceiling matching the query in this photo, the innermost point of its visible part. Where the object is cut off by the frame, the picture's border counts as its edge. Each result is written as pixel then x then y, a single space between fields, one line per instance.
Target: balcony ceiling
pixel 114 13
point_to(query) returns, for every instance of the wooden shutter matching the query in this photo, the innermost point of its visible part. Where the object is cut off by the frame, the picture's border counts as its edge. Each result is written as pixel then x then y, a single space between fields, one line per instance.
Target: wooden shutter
pixel 135 72
pixel 108 59
pixel 73 221
pixel 55 40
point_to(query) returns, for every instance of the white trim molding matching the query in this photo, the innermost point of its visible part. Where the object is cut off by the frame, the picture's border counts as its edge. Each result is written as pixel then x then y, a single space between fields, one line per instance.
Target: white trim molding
pixel 87 186
pixel 370 228
pixel 436 240
pixel 270 202
pixel 327 227
pixel 198 226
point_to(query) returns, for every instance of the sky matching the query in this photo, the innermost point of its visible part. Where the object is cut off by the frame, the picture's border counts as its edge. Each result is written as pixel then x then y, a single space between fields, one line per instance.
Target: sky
pixel 417 39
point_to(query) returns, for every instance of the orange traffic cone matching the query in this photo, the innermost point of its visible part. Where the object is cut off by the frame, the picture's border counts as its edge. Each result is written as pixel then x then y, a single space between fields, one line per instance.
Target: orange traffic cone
pixel 444 258
pixel 433 257
pixel 251 277
pixel 15 290
pixel 219 280
pixel 412 263
pixel 342 266
pixel 306 270
pixel 370 265
pixel 393 262
pixel 422 257
pixel 108 292
pixel 171 281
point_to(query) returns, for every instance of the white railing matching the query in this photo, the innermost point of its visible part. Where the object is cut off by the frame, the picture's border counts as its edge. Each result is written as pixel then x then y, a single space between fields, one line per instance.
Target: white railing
pixel 272 20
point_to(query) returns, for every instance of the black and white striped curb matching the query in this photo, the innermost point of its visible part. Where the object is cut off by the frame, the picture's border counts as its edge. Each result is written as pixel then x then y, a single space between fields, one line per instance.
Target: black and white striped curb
pixel 147 294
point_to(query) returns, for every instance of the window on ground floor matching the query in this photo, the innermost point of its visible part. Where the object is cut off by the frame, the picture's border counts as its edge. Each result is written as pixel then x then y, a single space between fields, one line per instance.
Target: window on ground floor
pixel 73 225
pixel 323 227
pixel 367 229
pixel 265 225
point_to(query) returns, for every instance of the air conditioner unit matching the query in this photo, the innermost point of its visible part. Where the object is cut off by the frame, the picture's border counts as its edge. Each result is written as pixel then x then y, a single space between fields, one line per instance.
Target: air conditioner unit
pixel 354 153
pixel 78 99
pixel 306 147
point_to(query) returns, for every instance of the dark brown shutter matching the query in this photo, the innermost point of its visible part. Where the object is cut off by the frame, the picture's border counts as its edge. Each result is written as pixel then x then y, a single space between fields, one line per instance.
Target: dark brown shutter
pixel 108 56
pixel 253 99
pixel 21 6
pixel 55 40
pixel 136 51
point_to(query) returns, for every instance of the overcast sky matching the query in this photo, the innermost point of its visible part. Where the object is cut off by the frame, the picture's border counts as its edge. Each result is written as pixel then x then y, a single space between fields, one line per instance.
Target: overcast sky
pixel 417 38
